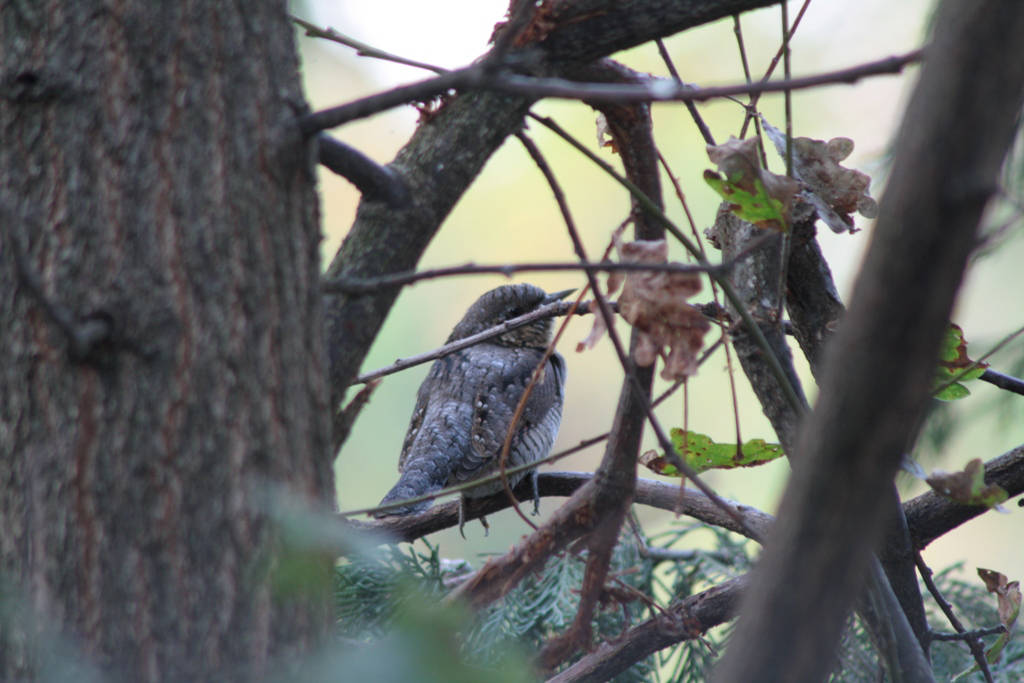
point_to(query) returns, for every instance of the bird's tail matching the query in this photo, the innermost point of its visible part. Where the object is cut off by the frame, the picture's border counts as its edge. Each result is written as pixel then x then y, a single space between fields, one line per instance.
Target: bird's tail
pixel 420 477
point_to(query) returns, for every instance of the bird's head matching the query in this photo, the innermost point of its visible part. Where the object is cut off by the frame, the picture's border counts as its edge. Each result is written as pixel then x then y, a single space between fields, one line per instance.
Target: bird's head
pixel 504 303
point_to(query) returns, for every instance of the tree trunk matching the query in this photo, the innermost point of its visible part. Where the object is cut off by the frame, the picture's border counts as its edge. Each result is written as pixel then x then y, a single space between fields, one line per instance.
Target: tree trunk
pixel 161 334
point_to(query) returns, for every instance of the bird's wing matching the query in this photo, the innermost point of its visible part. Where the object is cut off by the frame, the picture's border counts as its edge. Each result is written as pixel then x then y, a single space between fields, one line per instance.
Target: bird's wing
pixel 496 398
pixel 422 399
pixel 435 392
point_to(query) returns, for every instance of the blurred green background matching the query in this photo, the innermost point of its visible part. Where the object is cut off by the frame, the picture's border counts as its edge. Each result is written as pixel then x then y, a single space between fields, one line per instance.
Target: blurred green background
pixel 509 215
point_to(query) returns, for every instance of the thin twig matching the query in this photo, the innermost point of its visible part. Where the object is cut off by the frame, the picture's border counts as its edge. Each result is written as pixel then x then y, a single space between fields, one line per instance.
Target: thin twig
pixel 688 555
pixel 705 132
pixel 969 635
pixel 737 29
pixel 974 644
pixel 752 104
pixel 1007 382
pixel 348 285
pixel 362 49
pixel 310 124
pixel 666 90
pixel 479 77
pixel 341 425
pixel 788 106
pixel 551 310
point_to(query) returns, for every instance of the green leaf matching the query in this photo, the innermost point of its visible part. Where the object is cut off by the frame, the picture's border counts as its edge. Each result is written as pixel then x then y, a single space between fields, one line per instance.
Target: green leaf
pixel 955 366
pixel 756 207
pixel 702 453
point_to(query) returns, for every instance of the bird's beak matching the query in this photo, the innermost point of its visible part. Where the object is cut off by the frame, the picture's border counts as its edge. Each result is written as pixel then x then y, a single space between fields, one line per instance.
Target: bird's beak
pixel 557 296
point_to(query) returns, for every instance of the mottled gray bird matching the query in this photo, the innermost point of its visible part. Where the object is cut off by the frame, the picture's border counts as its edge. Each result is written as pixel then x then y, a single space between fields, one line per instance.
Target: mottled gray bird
pixel 465 405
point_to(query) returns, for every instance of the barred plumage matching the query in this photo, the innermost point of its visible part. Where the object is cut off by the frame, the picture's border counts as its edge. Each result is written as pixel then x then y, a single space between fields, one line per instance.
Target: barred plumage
pixel 466 403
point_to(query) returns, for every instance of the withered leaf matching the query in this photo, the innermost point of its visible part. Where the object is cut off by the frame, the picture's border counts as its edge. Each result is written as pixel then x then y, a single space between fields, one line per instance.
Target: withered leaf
pixel 1008 601
pixel 834 190
pixel 655 304
pixel 968 486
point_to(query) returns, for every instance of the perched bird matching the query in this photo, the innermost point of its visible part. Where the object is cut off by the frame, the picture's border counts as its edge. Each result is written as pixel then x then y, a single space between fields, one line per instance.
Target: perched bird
pixel 466 403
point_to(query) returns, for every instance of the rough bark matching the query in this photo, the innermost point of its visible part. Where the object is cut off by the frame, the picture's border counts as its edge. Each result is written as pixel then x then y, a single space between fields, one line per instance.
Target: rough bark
pixel 153 179
pixel 879 366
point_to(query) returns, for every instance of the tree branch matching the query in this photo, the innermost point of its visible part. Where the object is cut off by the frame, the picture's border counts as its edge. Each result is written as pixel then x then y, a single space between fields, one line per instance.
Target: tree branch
pixel 549 311
pixel 931 515
pixel 974 644
pixel 1007 382
pixel 683 620
pixel 657 494
pixel 372 284
pixel 373 180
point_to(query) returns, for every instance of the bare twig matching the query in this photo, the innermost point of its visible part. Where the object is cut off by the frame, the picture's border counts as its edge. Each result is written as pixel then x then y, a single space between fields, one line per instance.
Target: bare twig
pixel 752 104
pixel 348 285
pixel 666 90
pixel 970 635
pixel 737 29
pixel 683 620
pixel 627 366
pixel 606 528
pixel 549 311
pixel 705 132
pixel 973 643
pixel 478 77
pixel 313 123
pixel 1007 382
pixel 362 49
pixel 343 420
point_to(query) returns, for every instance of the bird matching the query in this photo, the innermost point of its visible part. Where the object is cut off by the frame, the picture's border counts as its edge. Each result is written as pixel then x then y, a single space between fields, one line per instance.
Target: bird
pixel 467 401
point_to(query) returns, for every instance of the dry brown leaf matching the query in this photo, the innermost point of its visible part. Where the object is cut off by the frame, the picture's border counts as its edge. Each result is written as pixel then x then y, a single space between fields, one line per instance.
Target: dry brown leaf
pixel 836 191
pixel 1008 595
pixel 655 304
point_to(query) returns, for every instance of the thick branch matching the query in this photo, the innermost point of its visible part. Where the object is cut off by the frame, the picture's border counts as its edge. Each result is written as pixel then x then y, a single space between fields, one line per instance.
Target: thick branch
pixel 683 620
pixel 374 181
pixel 756 280
pixel 656 494
pixel 930 515
pixel 880 363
